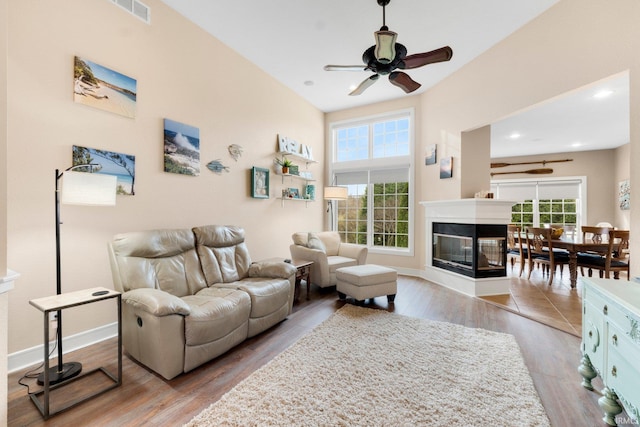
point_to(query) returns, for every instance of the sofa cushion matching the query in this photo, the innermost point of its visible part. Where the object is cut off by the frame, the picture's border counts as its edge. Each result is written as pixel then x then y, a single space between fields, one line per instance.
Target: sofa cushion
pixel 157 259
pixel 314 242
pixel 215 312
pixel 336 262
pixel 331 240
pixel 300 238
pixel 267 295
pixel 223 254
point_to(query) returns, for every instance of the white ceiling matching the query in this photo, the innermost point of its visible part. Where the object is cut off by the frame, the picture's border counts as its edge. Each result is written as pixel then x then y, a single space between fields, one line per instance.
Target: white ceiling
pixel 292 40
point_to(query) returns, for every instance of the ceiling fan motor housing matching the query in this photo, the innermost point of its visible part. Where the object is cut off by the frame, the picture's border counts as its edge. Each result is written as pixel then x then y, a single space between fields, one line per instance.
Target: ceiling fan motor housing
pixel 369 58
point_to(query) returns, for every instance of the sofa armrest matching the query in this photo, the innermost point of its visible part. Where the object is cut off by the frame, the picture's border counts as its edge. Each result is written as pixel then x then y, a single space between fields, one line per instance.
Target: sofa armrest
pixel 272 270
pixel 308 254
pixel 156 302
pixel 352 250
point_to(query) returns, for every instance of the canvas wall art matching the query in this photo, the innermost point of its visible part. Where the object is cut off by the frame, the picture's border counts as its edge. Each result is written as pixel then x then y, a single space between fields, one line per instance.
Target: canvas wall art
pixel 123 166
pixel 446 167
pixel 624 195
pixel 431 156
pixel 103 88
pixel 181 148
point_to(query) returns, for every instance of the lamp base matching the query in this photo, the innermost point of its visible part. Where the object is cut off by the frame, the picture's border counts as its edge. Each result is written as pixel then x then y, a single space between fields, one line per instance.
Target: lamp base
pixel 69 370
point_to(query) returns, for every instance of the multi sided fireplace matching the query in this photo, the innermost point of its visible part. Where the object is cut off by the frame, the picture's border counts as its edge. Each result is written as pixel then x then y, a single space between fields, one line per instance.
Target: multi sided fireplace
pixel 474 250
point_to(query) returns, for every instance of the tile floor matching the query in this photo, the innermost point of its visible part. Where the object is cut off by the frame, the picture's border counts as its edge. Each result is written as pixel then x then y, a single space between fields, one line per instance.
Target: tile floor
pixel 556 305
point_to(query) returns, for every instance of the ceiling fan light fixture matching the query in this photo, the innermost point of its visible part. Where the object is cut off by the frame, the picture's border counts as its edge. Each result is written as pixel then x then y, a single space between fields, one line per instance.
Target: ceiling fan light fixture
pixel 385 51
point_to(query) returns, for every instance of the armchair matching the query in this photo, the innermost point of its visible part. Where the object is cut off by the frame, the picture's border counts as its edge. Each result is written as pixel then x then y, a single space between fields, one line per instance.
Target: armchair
pixel 328 254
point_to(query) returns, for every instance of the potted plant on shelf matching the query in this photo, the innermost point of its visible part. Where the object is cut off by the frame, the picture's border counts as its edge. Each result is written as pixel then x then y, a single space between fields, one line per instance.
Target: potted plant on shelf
pixel 284 163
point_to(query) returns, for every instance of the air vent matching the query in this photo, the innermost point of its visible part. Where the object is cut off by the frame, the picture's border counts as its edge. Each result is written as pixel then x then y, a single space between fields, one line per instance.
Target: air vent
pixel 136 8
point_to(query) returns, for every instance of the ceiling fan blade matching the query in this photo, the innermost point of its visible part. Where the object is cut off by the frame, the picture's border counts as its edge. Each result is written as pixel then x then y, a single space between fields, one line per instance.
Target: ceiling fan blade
pixel 419 59
pixel 364 85
pixel 403 81
pixel 345 67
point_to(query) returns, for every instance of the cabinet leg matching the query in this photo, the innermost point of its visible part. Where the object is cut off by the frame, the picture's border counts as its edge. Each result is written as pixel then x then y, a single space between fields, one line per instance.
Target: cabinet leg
pixel 587 372
pixel 609 404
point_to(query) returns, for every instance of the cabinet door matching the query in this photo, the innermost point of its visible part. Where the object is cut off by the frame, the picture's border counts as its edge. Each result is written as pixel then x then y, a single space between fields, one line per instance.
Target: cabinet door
pixel 593 335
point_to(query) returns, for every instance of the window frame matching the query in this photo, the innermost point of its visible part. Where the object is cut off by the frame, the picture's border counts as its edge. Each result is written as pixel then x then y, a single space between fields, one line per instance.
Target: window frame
pixel 377 164
pixel 581 200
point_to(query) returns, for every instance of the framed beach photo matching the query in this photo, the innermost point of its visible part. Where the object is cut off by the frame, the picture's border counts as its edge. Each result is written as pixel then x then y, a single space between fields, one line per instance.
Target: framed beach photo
pixel 100 87
pixel 259 183
pixel 123 166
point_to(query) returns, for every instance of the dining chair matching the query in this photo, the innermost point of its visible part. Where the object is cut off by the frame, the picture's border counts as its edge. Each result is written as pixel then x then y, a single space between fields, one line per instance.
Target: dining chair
pixel 541 251
pixel 615 260
pixel 515 249
pixel 597 234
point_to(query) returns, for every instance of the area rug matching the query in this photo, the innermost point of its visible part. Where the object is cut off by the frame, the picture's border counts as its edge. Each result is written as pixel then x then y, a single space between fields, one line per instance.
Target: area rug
pixel 368 367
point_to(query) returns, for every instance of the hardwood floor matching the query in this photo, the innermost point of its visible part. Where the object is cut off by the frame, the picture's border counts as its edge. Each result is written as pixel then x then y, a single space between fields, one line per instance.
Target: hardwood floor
pixel 144 398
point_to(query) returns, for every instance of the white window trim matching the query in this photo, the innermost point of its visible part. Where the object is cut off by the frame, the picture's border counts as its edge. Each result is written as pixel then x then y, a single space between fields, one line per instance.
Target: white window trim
pixel 379 163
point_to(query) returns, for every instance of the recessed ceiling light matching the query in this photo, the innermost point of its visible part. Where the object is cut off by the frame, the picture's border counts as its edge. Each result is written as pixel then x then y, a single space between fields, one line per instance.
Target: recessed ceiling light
pixel 576 144
pixel 514 135
pixel 308 83
pixel 602 94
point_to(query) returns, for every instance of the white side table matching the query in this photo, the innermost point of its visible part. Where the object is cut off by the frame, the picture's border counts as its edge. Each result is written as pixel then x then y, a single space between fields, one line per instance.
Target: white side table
pixel 61 302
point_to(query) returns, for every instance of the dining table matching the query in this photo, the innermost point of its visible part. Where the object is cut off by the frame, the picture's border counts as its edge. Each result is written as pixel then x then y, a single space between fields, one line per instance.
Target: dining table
pixel 573 244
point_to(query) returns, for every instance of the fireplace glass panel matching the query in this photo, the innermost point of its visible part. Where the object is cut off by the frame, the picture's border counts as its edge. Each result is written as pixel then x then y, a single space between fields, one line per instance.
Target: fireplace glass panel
pixel 475 250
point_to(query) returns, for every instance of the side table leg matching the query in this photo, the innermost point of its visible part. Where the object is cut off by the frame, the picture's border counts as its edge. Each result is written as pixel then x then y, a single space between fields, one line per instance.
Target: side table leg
pixel 296 291
pixel 308 280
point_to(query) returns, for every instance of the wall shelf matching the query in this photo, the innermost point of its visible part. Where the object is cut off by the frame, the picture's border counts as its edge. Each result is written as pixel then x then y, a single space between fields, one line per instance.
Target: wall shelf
pixel 292 176
pixel 292 199
pixel 297 157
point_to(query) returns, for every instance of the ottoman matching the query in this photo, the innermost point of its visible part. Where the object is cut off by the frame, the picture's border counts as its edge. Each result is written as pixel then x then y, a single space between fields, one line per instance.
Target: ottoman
pixel 367 281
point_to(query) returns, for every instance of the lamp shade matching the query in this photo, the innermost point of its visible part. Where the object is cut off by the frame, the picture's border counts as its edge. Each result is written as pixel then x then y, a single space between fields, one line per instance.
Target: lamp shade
pixel 335 193
pixel 89 189
pixel 385 50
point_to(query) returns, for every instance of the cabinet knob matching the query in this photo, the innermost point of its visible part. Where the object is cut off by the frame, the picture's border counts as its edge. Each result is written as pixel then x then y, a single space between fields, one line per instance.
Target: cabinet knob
pixel 614 338
pixel 605 310
pixel 614 371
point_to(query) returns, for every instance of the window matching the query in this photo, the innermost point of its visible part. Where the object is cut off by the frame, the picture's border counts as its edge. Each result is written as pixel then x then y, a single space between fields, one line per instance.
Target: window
pixel 373 159
pixel 549 202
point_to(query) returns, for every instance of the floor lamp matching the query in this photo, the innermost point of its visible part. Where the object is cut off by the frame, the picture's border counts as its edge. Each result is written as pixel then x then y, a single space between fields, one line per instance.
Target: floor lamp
pixel 78 188
pixel 332 193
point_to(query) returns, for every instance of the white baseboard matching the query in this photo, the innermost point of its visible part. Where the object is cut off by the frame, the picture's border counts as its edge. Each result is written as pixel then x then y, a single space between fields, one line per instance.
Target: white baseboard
pixel 32 356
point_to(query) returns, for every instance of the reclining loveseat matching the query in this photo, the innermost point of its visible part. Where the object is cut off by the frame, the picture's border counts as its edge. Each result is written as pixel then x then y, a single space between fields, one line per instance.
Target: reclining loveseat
pixel 191 295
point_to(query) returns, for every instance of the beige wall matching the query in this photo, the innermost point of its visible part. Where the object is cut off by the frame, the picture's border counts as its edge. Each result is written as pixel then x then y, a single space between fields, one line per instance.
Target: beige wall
pixel 4 297
pixel 474 156
pixel 622 168
pixel 182 74
pixel 600 168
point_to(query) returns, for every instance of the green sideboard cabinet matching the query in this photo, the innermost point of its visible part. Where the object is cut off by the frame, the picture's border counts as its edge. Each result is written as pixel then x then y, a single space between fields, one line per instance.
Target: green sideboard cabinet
pixel 611 344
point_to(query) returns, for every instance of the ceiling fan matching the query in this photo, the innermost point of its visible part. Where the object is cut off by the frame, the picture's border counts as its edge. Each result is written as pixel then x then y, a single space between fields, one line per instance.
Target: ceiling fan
pixel 386 56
